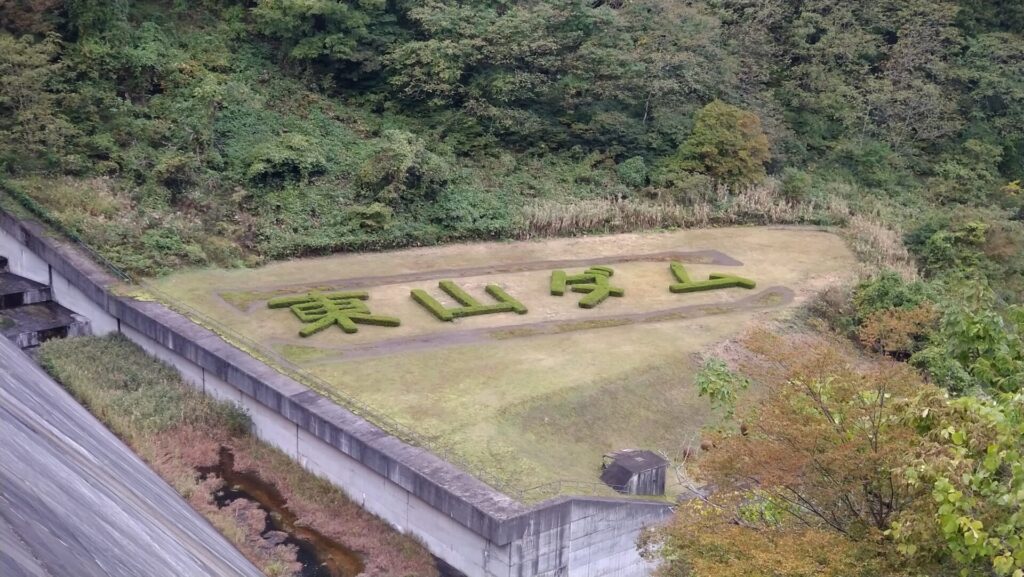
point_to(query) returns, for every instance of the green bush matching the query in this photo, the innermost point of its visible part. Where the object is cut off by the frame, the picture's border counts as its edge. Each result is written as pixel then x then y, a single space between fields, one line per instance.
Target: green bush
pixel 558 283
pixel 632 172
pixel 500 294
pixel 462 297
pixel 685 187
pixel 720 385
pixel 402 171
pixel 430 303
pixel 797 185
pixel 466 212
pixel 979 343
pixel 290 158
pixel 888 290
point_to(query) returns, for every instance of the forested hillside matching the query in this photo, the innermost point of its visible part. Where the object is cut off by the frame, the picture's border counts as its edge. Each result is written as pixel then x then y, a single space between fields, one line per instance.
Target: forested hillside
pixel 888 440
pixel 226 132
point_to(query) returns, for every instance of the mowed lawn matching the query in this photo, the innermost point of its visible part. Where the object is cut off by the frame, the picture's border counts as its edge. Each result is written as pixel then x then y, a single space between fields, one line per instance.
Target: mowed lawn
pixel 518 406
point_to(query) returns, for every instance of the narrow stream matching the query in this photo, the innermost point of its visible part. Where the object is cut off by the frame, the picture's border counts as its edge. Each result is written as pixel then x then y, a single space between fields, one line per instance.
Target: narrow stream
pixel 319 555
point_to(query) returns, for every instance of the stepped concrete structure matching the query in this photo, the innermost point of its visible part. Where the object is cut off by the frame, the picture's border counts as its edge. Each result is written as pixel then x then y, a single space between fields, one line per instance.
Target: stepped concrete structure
pixel 28 315
pixel 76 502
pixel 473 527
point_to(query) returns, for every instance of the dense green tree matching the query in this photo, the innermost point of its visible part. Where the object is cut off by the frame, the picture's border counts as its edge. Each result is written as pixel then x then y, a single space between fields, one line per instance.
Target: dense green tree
pixel 402 171
pixel 30 16
pixel 975 476
pixel 347 38
pixel 34 132
pixel 992 70
pixel 221 108
pixel 504 65
pixel 727 143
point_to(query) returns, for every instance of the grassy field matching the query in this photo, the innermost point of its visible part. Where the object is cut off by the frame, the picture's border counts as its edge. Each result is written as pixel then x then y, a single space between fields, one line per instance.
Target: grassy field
pixel 523 400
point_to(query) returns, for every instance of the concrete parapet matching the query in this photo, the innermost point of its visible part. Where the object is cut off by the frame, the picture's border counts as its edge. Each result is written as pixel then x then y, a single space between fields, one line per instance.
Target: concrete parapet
pixel 470 525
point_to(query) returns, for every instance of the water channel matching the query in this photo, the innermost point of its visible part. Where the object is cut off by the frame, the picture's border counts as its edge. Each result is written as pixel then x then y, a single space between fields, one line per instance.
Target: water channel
pixel 319 555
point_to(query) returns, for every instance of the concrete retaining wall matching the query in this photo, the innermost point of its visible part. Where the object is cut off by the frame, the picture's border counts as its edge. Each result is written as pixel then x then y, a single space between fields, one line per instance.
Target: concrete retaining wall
pixel 473 527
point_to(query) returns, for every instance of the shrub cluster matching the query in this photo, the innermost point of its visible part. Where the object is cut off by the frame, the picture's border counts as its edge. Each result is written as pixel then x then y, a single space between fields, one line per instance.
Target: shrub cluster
pixel 593 282
pixel 470 306
pixel 715 281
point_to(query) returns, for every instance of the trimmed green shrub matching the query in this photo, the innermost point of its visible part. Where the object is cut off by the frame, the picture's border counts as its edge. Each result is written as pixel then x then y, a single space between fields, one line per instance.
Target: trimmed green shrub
pixel 594 282
pixel 470 306
pixel 322 310
pixel 715 280
pixel 460 296
pixel 291 300
pixel 430 303
pixel 558 283
pixel 499 293
pixel 719 282
pixel 483 310
pixel 740 281
pixel 679 271
pixel 375 320
pixel 594 298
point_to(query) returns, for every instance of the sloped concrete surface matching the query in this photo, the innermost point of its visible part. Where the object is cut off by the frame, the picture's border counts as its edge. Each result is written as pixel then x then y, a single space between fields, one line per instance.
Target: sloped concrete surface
pixel 470 525
pixel 76 502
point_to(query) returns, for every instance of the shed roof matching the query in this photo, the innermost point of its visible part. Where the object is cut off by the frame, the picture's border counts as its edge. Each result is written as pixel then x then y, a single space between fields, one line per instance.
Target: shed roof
pixel 637 460
pixel 625 464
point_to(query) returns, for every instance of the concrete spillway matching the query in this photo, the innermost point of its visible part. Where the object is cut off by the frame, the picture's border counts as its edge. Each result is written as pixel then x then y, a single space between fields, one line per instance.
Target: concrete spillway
pixel 76 502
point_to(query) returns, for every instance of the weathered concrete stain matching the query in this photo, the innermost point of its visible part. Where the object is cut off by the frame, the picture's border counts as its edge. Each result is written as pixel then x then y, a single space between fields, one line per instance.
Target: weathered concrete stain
pixel 76 502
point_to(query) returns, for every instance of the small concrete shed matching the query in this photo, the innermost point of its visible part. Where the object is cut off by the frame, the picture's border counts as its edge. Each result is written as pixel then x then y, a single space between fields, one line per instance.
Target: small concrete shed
pixel 635 472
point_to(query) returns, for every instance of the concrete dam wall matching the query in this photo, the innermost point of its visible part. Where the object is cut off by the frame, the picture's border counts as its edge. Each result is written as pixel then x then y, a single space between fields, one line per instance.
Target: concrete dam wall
pixel 465 522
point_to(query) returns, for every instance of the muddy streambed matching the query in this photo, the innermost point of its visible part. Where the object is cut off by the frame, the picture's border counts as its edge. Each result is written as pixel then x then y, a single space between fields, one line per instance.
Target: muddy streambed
pixel 319 555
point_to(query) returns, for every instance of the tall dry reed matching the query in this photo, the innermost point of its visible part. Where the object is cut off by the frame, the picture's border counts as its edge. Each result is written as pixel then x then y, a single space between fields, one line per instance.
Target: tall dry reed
pixel 761 204
pixel 880 246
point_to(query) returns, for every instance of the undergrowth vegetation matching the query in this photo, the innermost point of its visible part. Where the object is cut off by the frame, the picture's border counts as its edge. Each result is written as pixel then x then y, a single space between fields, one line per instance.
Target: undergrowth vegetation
pixel 178 429
pixel 185 133
pixel 189 133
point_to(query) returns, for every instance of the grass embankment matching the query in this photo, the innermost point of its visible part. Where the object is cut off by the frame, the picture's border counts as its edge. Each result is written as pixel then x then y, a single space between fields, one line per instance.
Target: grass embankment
pixel 177 429
pixel 531 406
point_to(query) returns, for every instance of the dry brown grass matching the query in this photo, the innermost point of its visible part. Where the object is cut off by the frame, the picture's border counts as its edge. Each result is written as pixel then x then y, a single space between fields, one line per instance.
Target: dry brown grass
pixel 761 204
pixel 178 429
pixel 174 455
pixel 880 246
